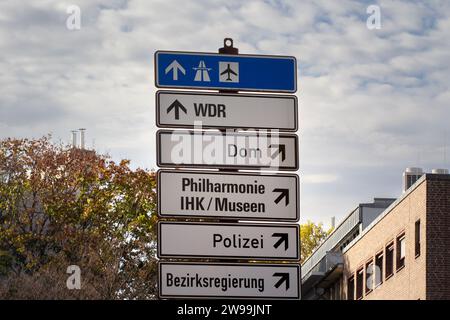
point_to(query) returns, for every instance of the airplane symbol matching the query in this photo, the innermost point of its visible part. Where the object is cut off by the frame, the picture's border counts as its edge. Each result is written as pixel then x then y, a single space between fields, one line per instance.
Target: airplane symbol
pixel 228 71
pixel 202 72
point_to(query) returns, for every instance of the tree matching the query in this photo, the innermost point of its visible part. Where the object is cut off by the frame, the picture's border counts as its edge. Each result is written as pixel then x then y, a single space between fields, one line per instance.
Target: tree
pixel 62 206
pixel 311 236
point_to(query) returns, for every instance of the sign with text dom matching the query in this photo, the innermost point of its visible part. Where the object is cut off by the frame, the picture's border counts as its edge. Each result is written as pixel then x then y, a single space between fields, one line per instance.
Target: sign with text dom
pixel 251 150
pixel 246 196
pixel 182 109
pixel 215 71
pixel 228 241
pixel 229 280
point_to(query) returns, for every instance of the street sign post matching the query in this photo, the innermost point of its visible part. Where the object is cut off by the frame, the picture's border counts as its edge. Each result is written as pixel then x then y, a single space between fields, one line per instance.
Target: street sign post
pixel 233 150
pixel 228 241
pixel 229 280
pixel 246 137
pixel 225 72
pixel 246 196
pixel 181 109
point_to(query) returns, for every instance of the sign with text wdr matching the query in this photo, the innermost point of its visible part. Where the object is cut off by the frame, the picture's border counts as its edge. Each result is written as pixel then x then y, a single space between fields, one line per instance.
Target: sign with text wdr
pixel 229 280
pixel 183 109
pixel 225 72
pixel 209 194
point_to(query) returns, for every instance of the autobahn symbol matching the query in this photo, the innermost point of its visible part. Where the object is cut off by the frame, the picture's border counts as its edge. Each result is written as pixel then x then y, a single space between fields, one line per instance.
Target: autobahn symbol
pixel 229 280
pixel 228 240
pixel 246 196
pixel 225 72
pixel 202 72
pixel 185 109
pixel 231 150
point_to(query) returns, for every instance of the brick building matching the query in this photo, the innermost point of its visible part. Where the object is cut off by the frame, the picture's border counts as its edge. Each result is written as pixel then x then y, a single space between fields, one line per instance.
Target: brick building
pixel 397 250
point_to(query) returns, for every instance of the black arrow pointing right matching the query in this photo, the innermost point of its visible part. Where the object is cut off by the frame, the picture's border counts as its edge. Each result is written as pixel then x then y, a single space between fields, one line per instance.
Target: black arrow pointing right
pixel 281 150
pixel 284 237
pixel 177 106
pixel 284 277
pixel 284 194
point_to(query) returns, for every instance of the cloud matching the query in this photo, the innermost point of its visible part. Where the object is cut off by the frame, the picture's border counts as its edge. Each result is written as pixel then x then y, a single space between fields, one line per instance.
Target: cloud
pixel 371 101
pixel 319 178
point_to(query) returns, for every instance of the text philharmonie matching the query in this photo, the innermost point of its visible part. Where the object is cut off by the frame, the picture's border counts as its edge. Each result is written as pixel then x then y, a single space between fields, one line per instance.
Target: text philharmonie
pixel 205 185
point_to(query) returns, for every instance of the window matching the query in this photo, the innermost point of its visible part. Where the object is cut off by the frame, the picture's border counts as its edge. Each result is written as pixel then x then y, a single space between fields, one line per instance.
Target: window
pixel 351 288
pixel 328 295
pixel 337 290
pixel 359 283
pixel 369 277
pixel 378 269
pixel 417 238
pixel 401 251
pixel 389 260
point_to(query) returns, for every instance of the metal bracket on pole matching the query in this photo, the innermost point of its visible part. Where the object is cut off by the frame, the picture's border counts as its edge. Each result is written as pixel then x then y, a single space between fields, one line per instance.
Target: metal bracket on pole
pixel 228 47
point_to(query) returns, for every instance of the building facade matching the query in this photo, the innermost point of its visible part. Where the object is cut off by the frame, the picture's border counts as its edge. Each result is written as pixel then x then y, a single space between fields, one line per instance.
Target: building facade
pixel 402 253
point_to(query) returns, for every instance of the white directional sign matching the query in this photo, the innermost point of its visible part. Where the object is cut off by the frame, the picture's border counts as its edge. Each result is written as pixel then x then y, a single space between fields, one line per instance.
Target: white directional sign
pixel 231 150
pixel 221 110
pixel 212 194
pixel 229 241
pixel 228 280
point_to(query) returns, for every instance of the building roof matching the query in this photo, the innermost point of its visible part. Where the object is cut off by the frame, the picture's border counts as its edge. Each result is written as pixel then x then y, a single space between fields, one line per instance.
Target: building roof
pixel 423 178
pixel 350 223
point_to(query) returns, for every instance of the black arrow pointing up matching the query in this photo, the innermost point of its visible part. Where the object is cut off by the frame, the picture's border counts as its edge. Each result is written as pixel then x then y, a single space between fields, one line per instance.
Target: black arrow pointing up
pixel 284 194
pixel 284 237
pixel 177 106
pixel 284 277
pixel 281 149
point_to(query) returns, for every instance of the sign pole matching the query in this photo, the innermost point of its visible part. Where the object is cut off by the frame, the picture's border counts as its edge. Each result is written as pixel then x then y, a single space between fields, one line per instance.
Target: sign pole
pixel 228 48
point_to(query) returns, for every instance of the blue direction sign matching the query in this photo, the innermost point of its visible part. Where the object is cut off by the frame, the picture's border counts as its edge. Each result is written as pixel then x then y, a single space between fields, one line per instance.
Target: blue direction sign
pixel 225 72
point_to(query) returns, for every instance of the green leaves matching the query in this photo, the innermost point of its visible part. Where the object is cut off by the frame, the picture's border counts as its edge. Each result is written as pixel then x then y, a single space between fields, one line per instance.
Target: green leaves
pixel 311 236
pixel 61 206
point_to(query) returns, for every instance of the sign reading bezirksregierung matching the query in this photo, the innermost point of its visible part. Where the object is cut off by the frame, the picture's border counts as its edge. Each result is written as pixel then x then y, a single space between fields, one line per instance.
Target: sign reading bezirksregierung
pixel 229 280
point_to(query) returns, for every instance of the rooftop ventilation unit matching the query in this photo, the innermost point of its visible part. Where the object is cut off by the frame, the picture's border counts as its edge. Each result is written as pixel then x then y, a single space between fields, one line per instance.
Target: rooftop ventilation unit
pixel 439 171
pixel 74 138
pixel 410 176
pixel 82 138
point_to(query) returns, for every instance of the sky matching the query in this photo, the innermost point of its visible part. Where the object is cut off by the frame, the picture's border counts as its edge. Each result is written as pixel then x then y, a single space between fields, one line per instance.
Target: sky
pixel 372 101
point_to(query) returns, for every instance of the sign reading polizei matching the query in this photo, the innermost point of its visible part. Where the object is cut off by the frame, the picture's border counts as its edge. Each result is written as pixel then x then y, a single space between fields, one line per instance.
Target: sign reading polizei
pixel 209 194
pixel 229 280
pixel 182 109
pixel 225 72
pixel 230 150
pixel 228 241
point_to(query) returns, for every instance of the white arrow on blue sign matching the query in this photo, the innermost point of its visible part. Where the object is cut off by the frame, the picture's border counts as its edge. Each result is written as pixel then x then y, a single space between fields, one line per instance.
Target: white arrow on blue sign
pixel 215 71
